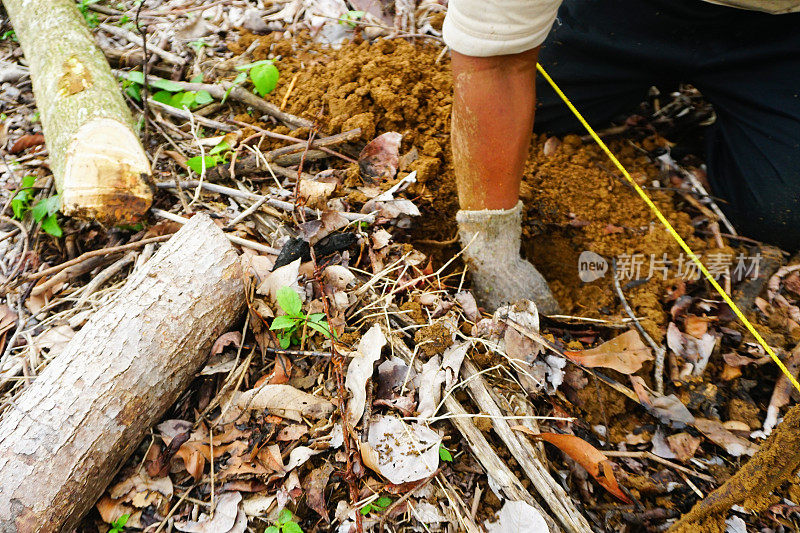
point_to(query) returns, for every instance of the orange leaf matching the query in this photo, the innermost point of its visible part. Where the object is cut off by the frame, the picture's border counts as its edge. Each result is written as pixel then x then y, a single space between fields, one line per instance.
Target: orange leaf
pixel 586 455
pixel 624 353
pixel 25 142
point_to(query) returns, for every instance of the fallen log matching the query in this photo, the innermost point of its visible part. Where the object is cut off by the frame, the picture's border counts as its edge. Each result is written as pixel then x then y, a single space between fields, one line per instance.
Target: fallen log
pixel 775 462
pixel 98 163
pixel 63 439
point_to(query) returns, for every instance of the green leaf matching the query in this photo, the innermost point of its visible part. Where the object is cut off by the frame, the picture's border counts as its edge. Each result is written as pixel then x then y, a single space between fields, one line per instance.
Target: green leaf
pixel 203 98
pixel 198 78
pixel 285 339
pixel 39 210
pixel 196 162
pixel 164 97
pixel 265 78
pixel 383 502
pixel 18 206
pixel 53 204
pixel 292 527
pixel 166 85
pixel 351 16
pixel 283 322
pixel 28 181
pixel 272 529
pixel 134 91
pixel 445 455
pixel 248 66
pixel 366 509
pixel 137 76
pixel 119 524
pixel 50 225
pixel 186 99
pixel 315 317
pixel 321 327
pixel 284 516
pixel 221 147
pixel 289 300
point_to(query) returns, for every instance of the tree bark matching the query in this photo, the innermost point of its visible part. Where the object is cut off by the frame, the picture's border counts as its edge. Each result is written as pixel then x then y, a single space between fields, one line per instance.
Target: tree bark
pixel 98 163
pixel 65 437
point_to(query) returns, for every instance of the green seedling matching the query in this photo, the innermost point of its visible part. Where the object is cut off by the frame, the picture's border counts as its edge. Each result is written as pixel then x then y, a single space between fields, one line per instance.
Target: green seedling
pixel 198 45
pixel 285 523
pixel 118 526
pixel 351 17
pixel 44 211
pixel 290 325
pixel 378 506
pixel 218 154
pixel 91 18
pixel 445 455
pixel 169 92
pixel 9 35
pixel 263 74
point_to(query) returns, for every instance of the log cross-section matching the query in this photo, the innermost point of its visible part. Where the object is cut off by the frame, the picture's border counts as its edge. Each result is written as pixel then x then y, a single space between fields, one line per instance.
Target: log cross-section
pixel 98 163
pixel 66 435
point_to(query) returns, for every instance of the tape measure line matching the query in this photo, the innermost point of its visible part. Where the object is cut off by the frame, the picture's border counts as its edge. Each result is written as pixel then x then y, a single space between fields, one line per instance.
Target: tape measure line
pixel 670 229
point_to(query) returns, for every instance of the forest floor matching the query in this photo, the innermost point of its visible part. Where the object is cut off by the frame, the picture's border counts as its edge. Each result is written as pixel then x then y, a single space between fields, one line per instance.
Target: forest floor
pixel 659 414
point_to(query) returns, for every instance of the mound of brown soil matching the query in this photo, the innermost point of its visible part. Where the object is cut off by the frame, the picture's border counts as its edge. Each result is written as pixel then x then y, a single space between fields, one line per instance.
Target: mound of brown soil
pixel 574 202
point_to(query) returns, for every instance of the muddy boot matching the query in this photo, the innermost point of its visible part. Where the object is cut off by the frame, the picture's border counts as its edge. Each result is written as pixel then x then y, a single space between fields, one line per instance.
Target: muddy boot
pixel 491 239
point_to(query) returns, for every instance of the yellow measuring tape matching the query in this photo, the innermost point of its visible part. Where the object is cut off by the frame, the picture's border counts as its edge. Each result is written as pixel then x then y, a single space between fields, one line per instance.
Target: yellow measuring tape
pixel 670 229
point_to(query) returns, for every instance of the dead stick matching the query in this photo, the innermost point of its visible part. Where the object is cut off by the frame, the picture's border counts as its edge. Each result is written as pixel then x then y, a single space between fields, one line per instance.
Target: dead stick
pixel 94 253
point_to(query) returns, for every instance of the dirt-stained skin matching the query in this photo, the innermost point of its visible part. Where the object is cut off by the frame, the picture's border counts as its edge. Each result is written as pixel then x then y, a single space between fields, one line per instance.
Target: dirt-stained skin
pixel 493 108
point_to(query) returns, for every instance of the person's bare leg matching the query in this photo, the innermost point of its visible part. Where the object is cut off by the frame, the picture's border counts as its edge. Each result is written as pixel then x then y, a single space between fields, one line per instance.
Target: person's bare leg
pixel 493 108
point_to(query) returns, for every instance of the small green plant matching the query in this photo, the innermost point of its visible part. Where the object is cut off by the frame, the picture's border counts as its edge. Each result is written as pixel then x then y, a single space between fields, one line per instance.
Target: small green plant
pixel 91 18
pixel 198 45
pixel 445 455
pixel 21 203
pixel 9 35
pixel 351 17
pixel 126 22
pixel 290 325
pixel 44 211
pixel 263 74
pixel 218 154
pixel 169 93
pixel 285 523
pixel 118 525
pixel 378 506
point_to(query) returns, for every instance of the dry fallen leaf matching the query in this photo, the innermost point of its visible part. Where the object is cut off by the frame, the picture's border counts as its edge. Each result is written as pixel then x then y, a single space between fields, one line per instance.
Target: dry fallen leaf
pixel 716 433
pixel 285 401
pixel 379 159
pixel 586 455
pixel 285 276
pixel 25 142
pixel 683 445
pixel 222 521
pixel 518 517
pixel 316 193
pixel 401 452
pixel 624 353
pixel 695 350
pixel 360 370
pixel 315 484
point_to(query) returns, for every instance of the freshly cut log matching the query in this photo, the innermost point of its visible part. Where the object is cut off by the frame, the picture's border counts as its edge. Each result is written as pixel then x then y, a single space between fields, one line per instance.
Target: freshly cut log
pixel 64 438
pixel 98 163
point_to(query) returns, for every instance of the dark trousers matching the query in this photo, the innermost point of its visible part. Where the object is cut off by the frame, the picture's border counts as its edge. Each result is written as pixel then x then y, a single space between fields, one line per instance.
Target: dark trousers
pixel 605 54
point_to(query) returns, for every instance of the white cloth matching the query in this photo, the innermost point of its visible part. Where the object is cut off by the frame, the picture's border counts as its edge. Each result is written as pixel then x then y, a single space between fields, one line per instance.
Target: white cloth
pixel 483 28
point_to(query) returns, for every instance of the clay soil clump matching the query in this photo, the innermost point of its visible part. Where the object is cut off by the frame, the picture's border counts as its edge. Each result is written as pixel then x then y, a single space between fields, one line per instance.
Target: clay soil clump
pixel 574 202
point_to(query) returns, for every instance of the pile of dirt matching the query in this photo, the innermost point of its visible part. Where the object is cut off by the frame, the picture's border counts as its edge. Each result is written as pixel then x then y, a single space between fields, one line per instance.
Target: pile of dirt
pixel 574 202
